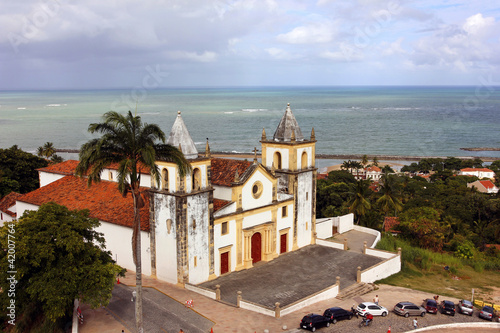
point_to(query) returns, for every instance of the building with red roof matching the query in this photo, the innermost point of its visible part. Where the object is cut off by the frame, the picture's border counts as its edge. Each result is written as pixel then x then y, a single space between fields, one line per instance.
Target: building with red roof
pixel 8 207
pixel 225 216
pixel 478 172
pixel 484 186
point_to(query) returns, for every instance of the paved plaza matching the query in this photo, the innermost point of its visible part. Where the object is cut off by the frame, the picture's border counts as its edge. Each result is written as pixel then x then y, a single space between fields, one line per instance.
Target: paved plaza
pixel 293 276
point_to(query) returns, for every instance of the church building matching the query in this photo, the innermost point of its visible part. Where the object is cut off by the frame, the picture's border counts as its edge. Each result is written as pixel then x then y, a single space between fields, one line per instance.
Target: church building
pixel 225 216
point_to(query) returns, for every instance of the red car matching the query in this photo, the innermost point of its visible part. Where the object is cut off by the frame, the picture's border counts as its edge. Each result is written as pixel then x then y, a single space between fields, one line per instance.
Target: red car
pixel 430 305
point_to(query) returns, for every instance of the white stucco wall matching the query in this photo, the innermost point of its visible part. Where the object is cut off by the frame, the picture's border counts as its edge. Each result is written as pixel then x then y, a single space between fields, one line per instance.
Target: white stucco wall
pixel 382 270
pixel 300 151
pixel 47 178
pixel 285 157
pixel 304 208
pixel 256 219
pixel 266 197
pixel 166 241
pixel 345 223
pixel 222 192
pixel 198 238
pixel 119 242
pixel 222 241
pixel 4 217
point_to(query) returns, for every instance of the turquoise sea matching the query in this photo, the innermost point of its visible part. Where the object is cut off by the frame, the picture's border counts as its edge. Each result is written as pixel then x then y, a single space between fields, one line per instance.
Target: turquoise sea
pixel 423 121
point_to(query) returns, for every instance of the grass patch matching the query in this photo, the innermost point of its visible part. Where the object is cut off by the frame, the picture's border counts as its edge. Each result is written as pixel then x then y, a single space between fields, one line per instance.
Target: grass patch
pixel 440 273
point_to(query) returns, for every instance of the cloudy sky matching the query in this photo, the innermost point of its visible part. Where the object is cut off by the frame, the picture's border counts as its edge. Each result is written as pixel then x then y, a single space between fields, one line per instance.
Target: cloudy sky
pixel 54 44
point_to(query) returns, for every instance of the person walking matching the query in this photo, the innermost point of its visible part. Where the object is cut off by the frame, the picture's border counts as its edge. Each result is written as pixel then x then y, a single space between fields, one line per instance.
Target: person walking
pixel 415 324
pixel 375 299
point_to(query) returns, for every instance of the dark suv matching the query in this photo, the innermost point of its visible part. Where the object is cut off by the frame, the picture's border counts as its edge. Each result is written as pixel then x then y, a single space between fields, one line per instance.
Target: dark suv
pixel 409 309
pixel 447 307
pixel 313 321
pixel 335 314
pixel 430 305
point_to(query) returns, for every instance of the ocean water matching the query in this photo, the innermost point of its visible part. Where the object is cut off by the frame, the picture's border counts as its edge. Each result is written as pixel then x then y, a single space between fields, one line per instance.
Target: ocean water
pixel 422 121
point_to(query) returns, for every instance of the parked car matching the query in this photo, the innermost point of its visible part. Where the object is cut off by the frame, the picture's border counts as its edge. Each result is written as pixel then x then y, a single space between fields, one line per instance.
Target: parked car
pixel 430 305
pixel 313 321
pixel 487 313
pixel 409 309
pixel 465 307
pixel 370 307
pixel 335 314
pixel 447 307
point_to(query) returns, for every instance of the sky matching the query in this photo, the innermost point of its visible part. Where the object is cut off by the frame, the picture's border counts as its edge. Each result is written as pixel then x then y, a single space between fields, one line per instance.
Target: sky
pixel 95 44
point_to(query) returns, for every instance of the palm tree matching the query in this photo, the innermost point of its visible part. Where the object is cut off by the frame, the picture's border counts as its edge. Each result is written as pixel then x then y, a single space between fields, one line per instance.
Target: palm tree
pixel 390 198
pixel 46 151
pixel 364 160
pixel 375 161
pixel 359 204
pixel 131 144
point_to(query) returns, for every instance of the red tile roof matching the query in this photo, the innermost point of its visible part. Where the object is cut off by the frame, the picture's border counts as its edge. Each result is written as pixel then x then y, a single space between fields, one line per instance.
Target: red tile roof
pixel 476 169
pixel 390 222
pixel 223 170
pixel 218 204
pixel 102 199
pixel 487 183
pixel 8 201
pixel 373 168
pixel 64 168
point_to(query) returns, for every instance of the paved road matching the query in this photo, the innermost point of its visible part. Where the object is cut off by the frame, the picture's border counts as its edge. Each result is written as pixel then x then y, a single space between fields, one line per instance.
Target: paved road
pixel 160 312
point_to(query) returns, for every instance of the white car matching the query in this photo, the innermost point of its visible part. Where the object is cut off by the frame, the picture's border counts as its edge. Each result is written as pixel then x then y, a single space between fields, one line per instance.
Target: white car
pixel 370 307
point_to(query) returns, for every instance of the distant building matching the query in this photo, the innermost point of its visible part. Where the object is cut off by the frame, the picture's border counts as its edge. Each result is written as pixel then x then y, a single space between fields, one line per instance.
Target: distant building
pixel 372 172
pixel 484 186
pixel 478 172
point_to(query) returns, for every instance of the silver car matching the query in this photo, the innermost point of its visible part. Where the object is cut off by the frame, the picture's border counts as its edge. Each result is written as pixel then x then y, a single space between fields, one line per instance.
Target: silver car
pixel 409 309
pixel 465 307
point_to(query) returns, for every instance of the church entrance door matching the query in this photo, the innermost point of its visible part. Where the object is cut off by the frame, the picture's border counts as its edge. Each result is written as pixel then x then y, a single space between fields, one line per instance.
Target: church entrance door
pixel 256 247
pixel 283 238
pixel 224 263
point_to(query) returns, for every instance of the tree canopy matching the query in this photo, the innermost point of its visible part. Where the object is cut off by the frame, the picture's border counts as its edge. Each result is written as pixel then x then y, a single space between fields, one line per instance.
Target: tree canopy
pixel 18 171
pixel 59 257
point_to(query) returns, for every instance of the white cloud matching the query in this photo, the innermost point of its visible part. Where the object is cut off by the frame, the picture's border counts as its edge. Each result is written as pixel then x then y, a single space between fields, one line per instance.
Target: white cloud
pixel 309 34
pixel 203 57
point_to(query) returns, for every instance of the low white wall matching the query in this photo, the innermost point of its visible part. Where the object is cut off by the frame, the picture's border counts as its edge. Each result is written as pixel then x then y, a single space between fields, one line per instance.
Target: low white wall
pixel 369 231
pixel 325 294
pixel 335 245
pixel 324 227
pixel 345 223
pixel 380 253
pixel 382 270
pixel 202 291
pixel 256 308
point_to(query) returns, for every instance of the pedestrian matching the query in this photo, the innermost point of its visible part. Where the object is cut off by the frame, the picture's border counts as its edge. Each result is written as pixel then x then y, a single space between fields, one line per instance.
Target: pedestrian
pixel 181 331
pixel 415 324
pixel 375 299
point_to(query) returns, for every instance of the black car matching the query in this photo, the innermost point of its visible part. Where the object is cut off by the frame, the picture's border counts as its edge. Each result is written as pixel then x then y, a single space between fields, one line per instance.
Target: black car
pixel 335 314
pixel 313 321
pixel 447 307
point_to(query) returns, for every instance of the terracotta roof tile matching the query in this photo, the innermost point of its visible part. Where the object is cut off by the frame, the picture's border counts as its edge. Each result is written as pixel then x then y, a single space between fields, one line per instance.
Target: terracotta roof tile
pixel 487 183
pixel 390 222
pixel 102 200
pixel 476 169
pixel 223 170
pixel 64 168
pixel 373 168
pixel 218 204
pixel 8 201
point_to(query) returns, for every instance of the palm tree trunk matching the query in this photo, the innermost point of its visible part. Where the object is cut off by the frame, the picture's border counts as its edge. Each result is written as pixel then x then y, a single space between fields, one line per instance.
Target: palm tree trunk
pixel 138 262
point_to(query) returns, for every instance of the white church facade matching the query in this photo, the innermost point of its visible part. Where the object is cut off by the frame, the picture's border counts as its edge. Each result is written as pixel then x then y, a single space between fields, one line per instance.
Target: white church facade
pixel 225 216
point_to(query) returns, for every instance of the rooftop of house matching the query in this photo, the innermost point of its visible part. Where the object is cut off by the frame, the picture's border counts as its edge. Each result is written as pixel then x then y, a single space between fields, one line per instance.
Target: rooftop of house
pixel 476 169
pixel 9 201
pixel 224 170
pixel 218 204
pixel 373 168
pixel 102 199
pixel 487 183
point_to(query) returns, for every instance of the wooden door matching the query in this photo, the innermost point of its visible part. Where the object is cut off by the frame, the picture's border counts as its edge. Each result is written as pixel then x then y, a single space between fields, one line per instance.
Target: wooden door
pixel 256 247
pixel 283 239
pixel 224 263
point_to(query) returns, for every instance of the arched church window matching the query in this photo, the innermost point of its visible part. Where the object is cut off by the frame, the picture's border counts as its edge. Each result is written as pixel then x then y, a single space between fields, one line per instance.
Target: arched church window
pixel 164 179
pixel 277 160
pixel 304 161
pixel 196 179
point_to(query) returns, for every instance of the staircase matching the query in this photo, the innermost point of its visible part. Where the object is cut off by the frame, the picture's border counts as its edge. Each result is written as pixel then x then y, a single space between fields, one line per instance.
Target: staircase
pixel 354 290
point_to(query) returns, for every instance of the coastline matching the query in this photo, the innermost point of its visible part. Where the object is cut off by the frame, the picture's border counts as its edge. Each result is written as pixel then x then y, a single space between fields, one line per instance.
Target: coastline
pixel 336 156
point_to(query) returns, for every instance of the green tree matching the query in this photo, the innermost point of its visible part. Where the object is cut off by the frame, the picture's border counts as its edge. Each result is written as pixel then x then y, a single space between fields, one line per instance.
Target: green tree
pixel 59 257
pixel 359 203
pixel 132 145
pixel 364 160
pixel 18 169
pixel 390 200
pixel 422 226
